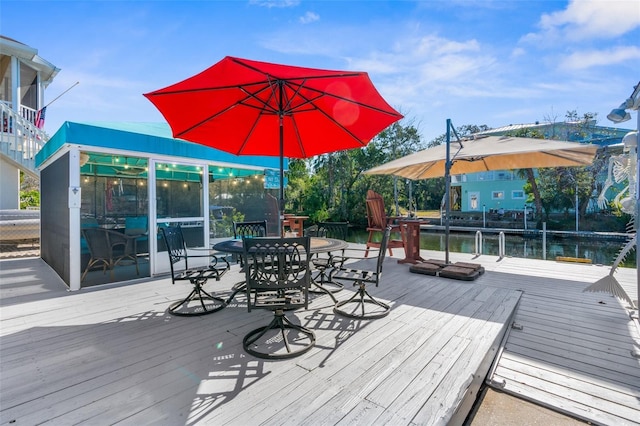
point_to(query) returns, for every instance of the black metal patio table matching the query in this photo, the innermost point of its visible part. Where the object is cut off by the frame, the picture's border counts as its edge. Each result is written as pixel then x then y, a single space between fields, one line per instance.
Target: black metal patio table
pixel 318 245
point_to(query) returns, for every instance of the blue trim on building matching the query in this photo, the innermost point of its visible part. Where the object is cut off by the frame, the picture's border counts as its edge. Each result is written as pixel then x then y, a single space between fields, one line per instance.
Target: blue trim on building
pixel 146 139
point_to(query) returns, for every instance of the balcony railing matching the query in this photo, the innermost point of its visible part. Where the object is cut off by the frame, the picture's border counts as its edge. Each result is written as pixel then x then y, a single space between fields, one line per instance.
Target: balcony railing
pixel 20 139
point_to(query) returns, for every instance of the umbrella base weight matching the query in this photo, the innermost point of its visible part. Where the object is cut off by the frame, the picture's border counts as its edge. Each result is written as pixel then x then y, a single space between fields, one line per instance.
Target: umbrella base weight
pixel 459 271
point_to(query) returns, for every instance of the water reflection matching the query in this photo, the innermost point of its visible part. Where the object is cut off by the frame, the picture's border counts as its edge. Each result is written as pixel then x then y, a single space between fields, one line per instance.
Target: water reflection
pixel 599 251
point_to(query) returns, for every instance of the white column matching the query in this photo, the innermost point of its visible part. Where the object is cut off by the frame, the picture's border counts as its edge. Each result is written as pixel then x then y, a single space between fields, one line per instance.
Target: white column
pixel 15 84
pixel 153 218
pixel 74 199
pixel 205 205
pixel 10 188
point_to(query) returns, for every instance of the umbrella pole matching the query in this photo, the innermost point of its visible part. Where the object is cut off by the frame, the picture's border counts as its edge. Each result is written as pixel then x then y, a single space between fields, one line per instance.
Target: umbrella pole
pixel 281 200
pixel 447 193
pixel 281 122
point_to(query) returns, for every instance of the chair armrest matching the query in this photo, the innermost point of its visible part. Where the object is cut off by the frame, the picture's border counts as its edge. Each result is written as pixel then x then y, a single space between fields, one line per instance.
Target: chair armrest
pixel 117 239
pixel 351 253
pixel 214 255
pixel 391 220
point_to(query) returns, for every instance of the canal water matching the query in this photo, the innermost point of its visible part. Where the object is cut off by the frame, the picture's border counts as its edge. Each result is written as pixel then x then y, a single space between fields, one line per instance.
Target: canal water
pixel 600 251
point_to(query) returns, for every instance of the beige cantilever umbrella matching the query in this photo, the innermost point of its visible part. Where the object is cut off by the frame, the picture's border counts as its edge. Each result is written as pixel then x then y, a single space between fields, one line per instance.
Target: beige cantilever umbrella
pixel 489 153
pixel 484 154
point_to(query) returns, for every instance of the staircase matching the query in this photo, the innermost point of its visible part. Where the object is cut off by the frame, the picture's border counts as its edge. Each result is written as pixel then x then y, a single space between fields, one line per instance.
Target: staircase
pixel 20 140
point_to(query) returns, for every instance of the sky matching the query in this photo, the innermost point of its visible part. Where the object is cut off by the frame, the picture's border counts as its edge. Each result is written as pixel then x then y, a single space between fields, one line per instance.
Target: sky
pixel 480 62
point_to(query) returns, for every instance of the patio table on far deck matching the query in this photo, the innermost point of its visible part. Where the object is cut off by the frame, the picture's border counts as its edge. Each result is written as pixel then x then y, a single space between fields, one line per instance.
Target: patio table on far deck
pixel 318 245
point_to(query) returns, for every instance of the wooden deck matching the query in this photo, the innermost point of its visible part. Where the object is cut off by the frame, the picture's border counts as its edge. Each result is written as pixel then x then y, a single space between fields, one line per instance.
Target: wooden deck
pixel 570 350
pixel 113 355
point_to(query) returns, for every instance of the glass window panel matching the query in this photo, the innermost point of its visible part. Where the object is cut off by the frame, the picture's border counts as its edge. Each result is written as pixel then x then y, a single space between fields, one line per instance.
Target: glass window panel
pixel 178 190
pixel 114 195
pixel 113 188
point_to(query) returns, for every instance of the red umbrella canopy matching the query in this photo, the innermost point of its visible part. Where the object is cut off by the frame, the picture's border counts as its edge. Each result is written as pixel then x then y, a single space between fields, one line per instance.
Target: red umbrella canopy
pixel 237 105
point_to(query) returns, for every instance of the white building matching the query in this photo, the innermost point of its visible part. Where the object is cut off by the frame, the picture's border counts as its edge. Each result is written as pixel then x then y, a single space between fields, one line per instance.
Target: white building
pixel 25 76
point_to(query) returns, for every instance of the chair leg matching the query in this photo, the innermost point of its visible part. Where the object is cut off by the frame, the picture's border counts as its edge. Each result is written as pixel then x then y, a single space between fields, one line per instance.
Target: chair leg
pixel 239 287
pixel 360 299
pixel 282 323
pixel 198 294
pixel 325 285
pixel 131 257
pixel 111 266
pixel 370 243
pixel 91 264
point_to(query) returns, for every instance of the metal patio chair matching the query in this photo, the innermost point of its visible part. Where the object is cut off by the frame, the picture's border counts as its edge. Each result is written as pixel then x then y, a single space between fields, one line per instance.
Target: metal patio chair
pixel 256 228
pixel 108 248
pixel 360 278
pixel 198 302
pixel 324 264
pixel 278 278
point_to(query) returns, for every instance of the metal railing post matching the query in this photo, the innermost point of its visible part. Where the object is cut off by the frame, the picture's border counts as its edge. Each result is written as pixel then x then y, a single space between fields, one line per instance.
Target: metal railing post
pixel 478 243
pixel 544 240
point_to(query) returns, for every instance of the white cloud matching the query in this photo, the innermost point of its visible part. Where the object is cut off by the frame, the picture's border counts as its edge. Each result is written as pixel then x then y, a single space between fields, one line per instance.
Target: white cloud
pixel 309 17
pixel 423 72
pixel 589 19
pixel 431 57
pixel 275 3
pixel 433 45
pixel 517 52
pixel 588 59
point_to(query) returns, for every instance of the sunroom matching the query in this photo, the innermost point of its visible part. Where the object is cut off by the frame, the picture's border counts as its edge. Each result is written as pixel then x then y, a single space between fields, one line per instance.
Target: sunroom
pixel 123 181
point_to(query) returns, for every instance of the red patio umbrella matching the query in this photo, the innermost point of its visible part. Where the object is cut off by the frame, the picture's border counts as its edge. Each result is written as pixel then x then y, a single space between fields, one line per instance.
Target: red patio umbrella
pixel 248 107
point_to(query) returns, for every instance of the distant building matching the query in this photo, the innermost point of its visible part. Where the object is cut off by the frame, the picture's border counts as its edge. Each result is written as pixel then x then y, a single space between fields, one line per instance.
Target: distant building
pixel 25 76
pixel 503 189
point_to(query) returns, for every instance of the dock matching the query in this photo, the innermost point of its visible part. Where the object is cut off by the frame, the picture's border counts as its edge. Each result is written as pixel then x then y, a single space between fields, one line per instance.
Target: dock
pixel 112 355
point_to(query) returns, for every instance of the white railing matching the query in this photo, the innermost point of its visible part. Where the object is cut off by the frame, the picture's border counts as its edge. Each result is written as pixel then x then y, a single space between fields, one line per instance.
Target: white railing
pixel 478 243
pixel 20 139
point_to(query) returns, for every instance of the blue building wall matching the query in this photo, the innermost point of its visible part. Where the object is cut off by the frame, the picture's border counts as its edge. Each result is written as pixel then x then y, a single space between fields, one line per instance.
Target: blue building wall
pixel 493 195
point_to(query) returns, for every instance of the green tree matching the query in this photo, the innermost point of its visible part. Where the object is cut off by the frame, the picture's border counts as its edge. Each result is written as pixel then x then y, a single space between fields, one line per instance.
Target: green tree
pixel 297 177
pixel 30 198
pixel 337 184
pixel 29 191
pixel 563 186
pixel 531 187
pixel 462 131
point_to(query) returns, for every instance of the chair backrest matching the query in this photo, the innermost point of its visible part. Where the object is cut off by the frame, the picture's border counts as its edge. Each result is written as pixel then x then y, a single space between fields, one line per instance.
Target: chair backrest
pixel 89 222
pixel 176 248
pixel 135 225
pixel 257 228
pixel 383 250
pixel 272 215
pixel 338 230
pixel 311 231
pixel 277 265
pixel 98 242
pixel 376 213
